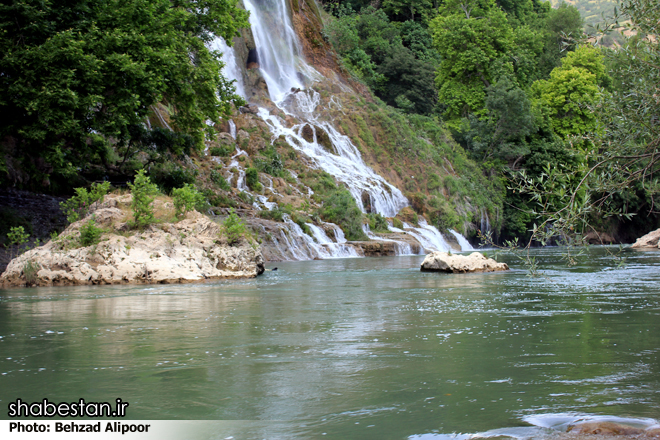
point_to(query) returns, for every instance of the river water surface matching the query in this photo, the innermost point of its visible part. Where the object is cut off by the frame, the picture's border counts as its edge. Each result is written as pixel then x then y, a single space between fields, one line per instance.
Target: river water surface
pixel 350 348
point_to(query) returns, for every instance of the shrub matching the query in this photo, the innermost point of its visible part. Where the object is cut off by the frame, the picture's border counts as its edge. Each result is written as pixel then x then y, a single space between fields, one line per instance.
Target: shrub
pixel 90 234
pixel 234 228
pixel 17 237
pixel 10 219
pixel 252 179
pixel 377 223
pixel 445 217
pixel 30 270
pixel 340 208
pixel 272 164
pixel 302 220
pixel 142 190
pixel 170 175
pixel 276 214
pixel 80 204
pixel 221 151
pixel 219 180
pixel 397 223
pixel 221 201
pixel 186 199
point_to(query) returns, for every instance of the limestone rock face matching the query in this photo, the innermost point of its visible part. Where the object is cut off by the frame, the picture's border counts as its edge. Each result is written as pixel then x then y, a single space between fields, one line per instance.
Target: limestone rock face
pixel 475 262
pixel 191 250
pixel 648 241
pixel 612 429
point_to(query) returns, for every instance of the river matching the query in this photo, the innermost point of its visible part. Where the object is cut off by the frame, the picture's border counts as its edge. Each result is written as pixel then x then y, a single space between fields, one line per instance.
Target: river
pixel 350 348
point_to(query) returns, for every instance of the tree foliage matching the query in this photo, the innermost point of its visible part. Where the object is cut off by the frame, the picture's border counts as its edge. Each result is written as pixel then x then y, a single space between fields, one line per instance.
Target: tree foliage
pixel 75 74
pixel 571 90
pixel 474 41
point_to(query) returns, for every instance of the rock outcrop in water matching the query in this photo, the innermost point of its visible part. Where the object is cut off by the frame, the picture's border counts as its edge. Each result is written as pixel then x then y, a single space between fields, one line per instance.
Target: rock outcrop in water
pixel 446 262
pixel 613 429
pixel 648 241
pixel 189 250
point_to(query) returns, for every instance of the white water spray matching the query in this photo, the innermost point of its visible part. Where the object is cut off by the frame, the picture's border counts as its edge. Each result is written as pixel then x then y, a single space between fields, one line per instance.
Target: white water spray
pixel 287 74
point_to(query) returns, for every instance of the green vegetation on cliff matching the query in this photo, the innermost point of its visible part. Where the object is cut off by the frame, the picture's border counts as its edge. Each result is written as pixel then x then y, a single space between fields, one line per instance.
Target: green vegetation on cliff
pixel 78 79
pixel 514 89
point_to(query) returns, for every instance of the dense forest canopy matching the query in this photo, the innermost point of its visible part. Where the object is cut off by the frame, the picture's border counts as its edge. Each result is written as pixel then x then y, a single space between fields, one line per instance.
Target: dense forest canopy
pixel 79 76
pixel 525 92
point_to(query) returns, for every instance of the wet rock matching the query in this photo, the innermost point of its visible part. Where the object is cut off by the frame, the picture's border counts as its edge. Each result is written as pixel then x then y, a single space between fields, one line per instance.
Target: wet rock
pixel 599 238
pixel 324 140
pixel 648 241
pixel 475 262
pixel 308 133
pixel 604 428
pixel 375 248
pixel 243 138
pixel 366 202
pixel 250 108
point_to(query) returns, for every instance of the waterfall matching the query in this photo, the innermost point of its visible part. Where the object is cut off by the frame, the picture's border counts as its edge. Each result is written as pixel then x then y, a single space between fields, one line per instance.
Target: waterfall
pixel 231 70
pixel 485 221
pixel 428 236
pixel 288 76
pixel 465 245
pixel 277 46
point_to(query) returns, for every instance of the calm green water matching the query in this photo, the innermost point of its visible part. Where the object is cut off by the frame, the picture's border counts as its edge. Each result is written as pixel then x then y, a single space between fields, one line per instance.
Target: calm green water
pixel 351 348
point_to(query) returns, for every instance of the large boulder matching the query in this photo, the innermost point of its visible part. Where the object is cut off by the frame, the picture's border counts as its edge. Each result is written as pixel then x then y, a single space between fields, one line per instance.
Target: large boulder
pixel 446 262
pixel 192 249
pixel 648 241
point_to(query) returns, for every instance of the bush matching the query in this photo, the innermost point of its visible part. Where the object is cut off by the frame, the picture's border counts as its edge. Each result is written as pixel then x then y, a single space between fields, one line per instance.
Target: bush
pixel 272 164
pixel 219 180
pixel 171 175
pixel 377 223
pixel 445 217
pixel 90 234
pixel 142 190
pixel 221 151
pixel 186 199
pixel 30 270
pixel 276 214
pixel 17 237
pixel 234 228
pixel 80 204
pixel 252 179
pixel 340 208
pixel 302 220
pixel 10 219
pixel 219 200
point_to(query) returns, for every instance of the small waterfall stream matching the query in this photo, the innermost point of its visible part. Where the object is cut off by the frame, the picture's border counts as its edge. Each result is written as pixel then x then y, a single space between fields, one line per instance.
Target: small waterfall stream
pixel 286 74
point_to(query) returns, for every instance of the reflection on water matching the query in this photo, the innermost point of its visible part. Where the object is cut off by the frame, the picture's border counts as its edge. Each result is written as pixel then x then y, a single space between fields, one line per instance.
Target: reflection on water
pixel 355 348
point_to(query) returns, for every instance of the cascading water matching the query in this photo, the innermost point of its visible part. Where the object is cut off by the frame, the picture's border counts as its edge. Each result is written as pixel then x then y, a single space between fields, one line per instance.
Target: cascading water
pixel 287 74
pixel 277 46
pixel 231 69
pixel 462 241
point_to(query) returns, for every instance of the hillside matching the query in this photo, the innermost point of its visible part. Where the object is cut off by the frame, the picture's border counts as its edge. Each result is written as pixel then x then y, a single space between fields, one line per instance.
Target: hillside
pixel 592 11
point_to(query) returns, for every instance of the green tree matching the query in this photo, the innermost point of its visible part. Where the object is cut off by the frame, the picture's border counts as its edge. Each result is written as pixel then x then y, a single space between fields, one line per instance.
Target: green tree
pixel 408 9
pixel 74 75
pixel 572 88
pixel 186 199
pixel 563 27
pixel 142 191
pixel 621 171
pixel 474 40
pixel 501 132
